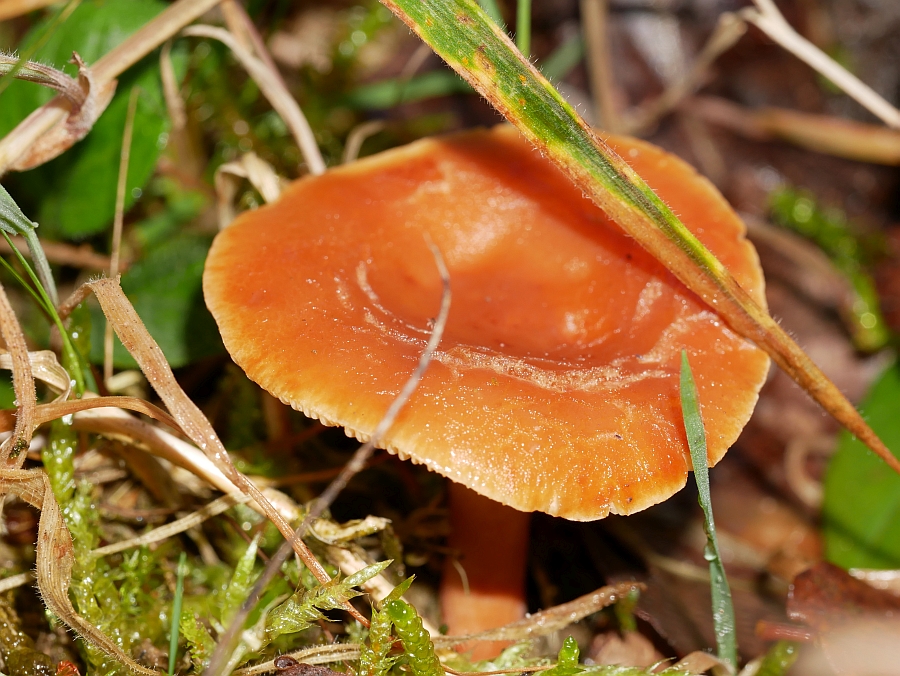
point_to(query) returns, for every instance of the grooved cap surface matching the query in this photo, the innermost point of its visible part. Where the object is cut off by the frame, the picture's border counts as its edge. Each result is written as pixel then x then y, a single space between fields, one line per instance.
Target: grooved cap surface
pixel 556 385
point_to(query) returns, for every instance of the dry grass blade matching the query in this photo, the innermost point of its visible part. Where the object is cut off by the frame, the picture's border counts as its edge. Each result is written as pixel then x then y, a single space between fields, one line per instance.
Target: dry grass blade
pixel 208 511
pixel 251 167
pixel 140 344
pixel 118 222
pixel 81 256
pixel 820 133
pixel 44 413
pixel 729 30
pixel 23 385
pixel 46 368
pixel 272 87
pixel 770 21
pixel 116 424
pixel 9 9
pixel 55 556
pixel 14 581
pixel 37 125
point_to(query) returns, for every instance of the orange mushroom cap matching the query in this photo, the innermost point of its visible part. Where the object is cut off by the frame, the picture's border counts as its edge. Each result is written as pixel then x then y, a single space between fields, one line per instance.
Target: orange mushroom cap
pixel 555 387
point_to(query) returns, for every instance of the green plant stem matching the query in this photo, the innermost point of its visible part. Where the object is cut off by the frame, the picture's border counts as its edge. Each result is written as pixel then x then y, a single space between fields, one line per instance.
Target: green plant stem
pixel 72 362
pixel 523 26
pixel 722 607
pixel 176 612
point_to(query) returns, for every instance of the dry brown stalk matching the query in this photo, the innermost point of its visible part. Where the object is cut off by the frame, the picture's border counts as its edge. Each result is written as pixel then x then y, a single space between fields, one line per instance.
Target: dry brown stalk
pixel 118 222
pixel 44 413
pixel 770 21
pixel 81 256
pixel 819 133
pixel 728 31
pixel 23 384
pixel 603 89
pixel 37 125
pixel 9 9
pixel 272 87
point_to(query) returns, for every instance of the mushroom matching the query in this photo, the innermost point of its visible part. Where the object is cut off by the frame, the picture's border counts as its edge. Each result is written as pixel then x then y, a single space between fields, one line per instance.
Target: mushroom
pixel 555 387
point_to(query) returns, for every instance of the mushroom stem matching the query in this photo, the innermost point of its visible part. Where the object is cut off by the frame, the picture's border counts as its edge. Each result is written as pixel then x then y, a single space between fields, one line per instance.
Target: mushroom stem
pixel 491 541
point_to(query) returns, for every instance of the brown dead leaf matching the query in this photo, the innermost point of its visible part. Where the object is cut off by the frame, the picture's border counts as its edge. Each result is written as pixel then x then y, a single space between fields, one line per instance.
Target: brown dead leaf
pixel 826 596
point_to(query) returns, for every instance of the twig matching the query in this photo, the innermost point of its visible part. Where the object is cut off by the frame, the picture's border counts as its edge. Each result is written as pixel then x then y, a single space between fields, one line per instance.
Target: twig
pixel 81 256
pixel 111 65
pixel 357 137
pixel 273 89
pixel 225 646
pixel 208 511
pixel 118 222
pixel 728 31
pixel 819 133
pixel 594 26
pixel 9 9
pixel 769 20
pixel 23 385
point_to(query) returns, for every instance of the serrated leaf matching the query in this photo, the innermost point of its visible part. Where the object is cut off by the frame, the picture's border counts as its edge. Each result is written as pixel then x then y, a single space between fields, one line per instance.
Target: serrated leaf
pixel 862 496
pixel 165 289
pixel 74 195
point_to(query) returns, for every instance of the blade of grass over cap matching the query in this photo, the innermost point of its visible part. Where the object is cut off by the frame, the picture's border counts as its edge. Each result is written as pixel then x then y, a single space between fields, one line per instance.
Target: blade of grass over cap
pixel 473 45
pixel 723 609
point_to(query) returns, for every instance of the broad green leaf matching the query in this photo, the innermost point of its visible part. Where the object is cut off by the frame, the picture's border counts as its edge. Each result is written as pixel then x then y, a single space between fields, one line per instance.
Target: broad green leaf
pixel 165 289
pixel 862 495
pixel 74 195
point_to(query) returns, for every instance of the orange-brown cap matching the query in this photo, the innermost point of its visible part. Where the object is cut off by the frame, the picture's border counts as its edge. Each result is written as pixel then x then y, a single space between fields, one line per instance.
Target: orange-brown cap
pixel 555 387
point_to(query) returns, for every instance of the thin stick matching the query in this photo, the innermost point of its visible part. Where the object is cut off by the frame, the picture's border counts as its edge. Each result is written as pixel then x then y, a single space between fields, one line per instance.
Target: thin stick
pixel 357 136
pixel 214 508
pixel 594 25
pixel 117 223
pixel 23 385
pixel 273 89
pixel 225 646
pixel 728 31
pixel 65 254
pixel 770 21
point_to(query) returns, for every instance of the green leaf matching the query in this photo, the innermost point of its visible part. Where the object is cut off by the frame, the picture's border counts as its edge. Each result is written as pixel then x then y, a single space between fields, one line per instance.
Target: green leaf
pixel 75 193
pixel 723 609
pixel 393 91
pixel 862 496
pixel 567 660
pixel 165 289
pixel 241 582
pixel 200 644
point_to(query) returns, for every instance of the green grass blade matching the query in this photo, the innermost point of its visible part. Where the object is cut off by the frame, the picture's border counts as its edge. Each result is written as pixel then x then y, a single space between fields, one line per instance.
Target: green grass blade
pixel 523 26
pixel 475 47
pixel 723 609
pixel 492 9
pixel 176 612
